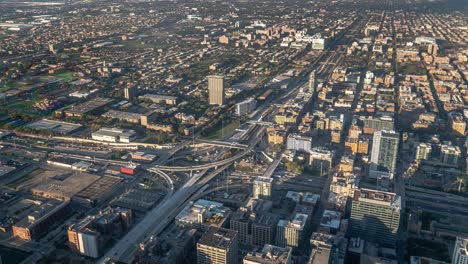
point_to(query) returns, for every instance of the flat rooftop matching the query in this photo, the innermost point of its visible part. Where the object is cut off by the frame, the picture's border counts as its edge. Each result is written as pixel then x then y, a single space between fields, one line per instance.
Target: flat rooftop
pixel 270 254
pixel 40 212
pixel 66 188
pixel 264 179
pixel 331 219
pixel 99 187
pixel 114 132
pixel 54 126
pixel 88 106
pixel 220 238
pixel 213 212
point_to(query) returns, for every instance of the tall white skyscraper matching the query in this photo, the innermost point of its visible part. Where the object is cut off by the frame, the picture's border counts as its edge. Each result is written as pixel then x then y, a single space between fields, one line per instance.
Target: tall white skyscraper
pixel 312 81
pixel 384 151
pixel 216 89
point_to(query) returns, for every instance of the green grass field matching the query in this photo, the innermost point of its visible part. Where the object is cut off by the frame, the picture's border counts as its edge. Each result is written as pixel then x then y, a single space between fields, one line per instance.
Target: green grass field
pixel 66 76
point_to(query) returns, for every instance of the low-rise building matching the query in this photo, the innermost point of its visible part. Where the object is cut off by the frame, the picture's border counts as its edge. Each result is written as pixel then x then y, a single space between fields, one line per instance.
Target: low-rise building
pixel 45 215
pixel 114 135
pixel 157 98
pixel 90 107
pixel 202 214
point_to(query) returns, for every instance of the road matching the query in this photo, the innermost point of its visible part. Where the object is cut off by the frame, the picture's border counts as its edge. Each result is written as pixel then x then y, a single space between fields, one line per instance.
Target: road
pixel 256 139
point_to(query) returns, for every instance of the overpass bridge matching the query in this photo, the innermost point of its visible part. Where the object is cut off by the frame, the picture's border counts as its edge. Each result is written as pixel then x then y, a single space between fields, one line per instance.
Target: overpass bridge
pixel 255 139
pixel 225 144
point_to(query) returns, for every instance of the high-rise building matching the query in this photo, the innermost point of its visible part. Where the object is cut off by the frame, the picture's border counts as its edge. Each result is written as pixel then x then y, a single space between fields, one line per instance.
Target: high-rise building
pixel 312 81
pixel 217 246
pixel 375 216
pixel 460 251
pixel 246 107
pixel 449 154
pixel 263 229
pixel 254 228
pixel 216 89
pixel 262 188
pixel 292 233
pixel 269 255
pixel 423 151
pixel 130 92
pixel 299 143
pixel 384 151
pixel 85 241
pixel 253 223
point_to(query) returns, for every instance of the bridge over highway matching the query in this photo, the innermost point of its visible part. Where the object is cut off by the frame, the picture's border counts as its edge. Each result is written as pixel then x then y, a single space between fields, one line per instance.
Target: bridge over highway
pixel 255 139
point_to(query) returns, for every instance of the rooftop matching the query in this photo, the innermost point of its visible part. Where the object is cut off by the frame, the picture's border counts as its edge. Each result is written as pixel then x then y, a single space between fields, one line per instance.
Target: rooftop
pixel 212 212
pixel 331 219
pixel 270 255
pixel 40 212
pixel 114 132
pixel 378 197
pixel 218 238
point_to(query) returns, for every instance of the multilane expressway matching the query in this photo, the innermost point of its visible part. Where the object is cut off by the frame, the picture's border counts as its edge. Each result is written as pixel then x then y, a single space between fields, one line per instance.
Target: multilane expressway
pixel 159 217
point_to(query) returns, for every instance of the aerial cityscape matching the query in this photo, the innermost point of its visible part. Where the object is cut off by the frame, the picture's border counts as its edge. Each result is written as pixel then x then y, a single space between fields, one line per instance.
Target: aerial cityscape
pixel 234 132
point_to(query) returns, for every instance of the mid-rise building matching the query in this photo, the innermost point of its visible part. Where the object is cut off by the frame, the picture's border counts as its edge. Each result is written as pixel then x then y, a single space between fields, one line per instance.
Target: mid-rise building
pixel 322 247
pixel 460 251
pixel 276 136
pixel 216 89
pixel 254 223
pixel 41 219
pixel 372 124
pixel 423 151
pixel 384 151
pixel 375 216
pixel 432 49
pixel 217 246
pixel 269 255
pixel 262 188
pixel 159 99
pixel 130 92
pixel 321 159
pixel 246 107
pixel 89 236
pixel 450 154
pixel 299 143
pixel 290 233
